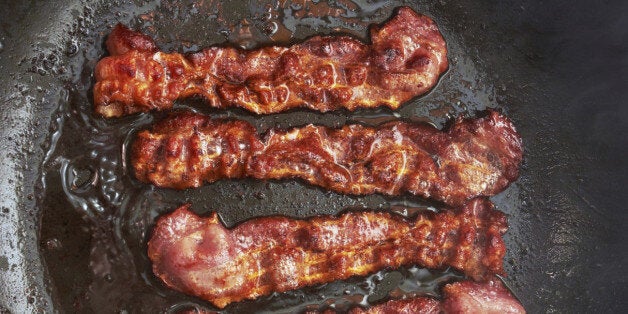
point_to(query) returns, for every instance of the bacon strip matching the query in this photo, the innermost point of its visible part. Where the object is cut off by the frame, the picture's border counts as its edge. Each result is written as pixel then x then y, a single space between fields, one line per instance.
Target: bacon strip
pixel 404 59
pixel 418 305
pixel 200 257
pixel 474 157
pixel 489 297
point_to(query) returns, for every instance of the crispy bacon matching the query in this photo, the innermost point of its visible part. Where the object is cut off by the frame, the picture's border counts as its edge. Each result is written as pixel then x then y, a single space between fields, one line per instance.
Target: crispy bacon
pixel 490 297
pixel 418 305
pixel 200 257
pixel 404 59
pixel 473 157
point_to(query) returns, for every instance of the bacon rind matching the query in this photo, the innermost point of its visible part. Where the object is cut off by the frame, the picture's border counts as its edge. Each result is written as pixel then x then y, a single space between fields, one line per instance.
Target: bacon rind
pixel 406 56
pixel 473 157
pixel 200 257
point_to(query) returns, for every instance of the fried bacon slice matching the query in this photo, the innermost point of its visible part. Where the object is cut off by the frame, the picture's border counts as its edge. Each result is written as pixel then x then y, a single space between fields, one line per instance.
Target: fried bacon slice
pixel 406 56
pixel 490 297
pixel 474 157
pixel 200 257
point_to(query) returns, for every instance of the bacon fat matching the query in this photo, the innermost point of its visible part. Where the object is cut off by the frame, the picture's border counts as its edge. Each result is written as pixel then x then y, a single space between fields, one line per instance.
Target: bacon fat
pixel 474 157
pixel 404 59
pixel 200 257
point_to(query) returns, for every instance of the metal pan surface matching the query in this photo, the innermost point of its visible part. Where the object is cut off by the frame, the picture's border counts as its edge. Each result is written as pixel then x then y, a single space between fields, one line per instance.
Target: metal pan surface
pixel 74 222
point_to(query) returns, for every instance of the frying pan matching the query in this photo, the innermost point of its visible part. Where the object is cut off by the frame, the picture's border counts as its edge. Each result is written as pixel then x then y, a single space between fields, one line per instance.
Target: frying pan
pixel 74 223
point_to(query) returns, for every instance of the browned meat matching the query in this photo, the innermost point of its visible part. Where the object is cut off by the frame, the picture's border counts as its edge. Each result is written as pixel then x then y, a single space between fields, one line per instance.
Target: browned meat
pixel 200 257
pixel 474 297
pixel 490 297
pixel 473 157
pixel 406 56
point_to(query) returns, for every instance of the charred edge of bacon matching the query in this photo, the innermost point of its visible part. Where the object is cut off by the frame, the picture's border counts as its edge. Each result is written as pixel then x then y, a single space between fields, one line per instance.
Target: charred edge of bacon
pixel 200 257
pixel 405 58
pixel 473 157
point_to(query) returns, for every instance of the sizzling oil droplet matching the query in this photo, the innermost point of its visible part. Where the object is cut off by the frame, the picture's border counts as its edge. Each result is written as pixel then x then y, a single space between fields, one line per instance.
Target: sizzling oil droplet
pixel 53 244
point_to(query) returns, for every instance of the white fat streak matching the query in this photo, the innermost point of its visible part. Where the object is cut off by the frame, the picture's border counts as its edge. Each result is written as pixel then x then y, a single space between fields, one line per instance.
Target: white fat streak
pixel 255 266
pixel 376 143
pixel 292 135
pixel 502 123
pixel 398 139
pixel 284 86
pixel 157 57
pixel 188 245
pixel 211 148
pixel 212 66
pixel 332 152
pixel 372 231
pixel 204 157
pixel 271 136
pixel 464 157
pixel 439 55
pixel 245 242
pixel 397 135
pixel 329 234
pixel 287 267
pixel 400 172
pixel 357 92
pixel 325 145
pixel 409 46
pixel 490 174
pixel 256 59
pixel 334 75
pixel 222 276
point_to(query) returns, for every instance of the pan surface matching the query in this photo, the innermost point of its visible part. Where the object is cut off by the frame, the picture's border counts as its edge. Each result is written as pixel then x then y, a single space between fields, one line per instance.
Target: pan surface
pixel 74 222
